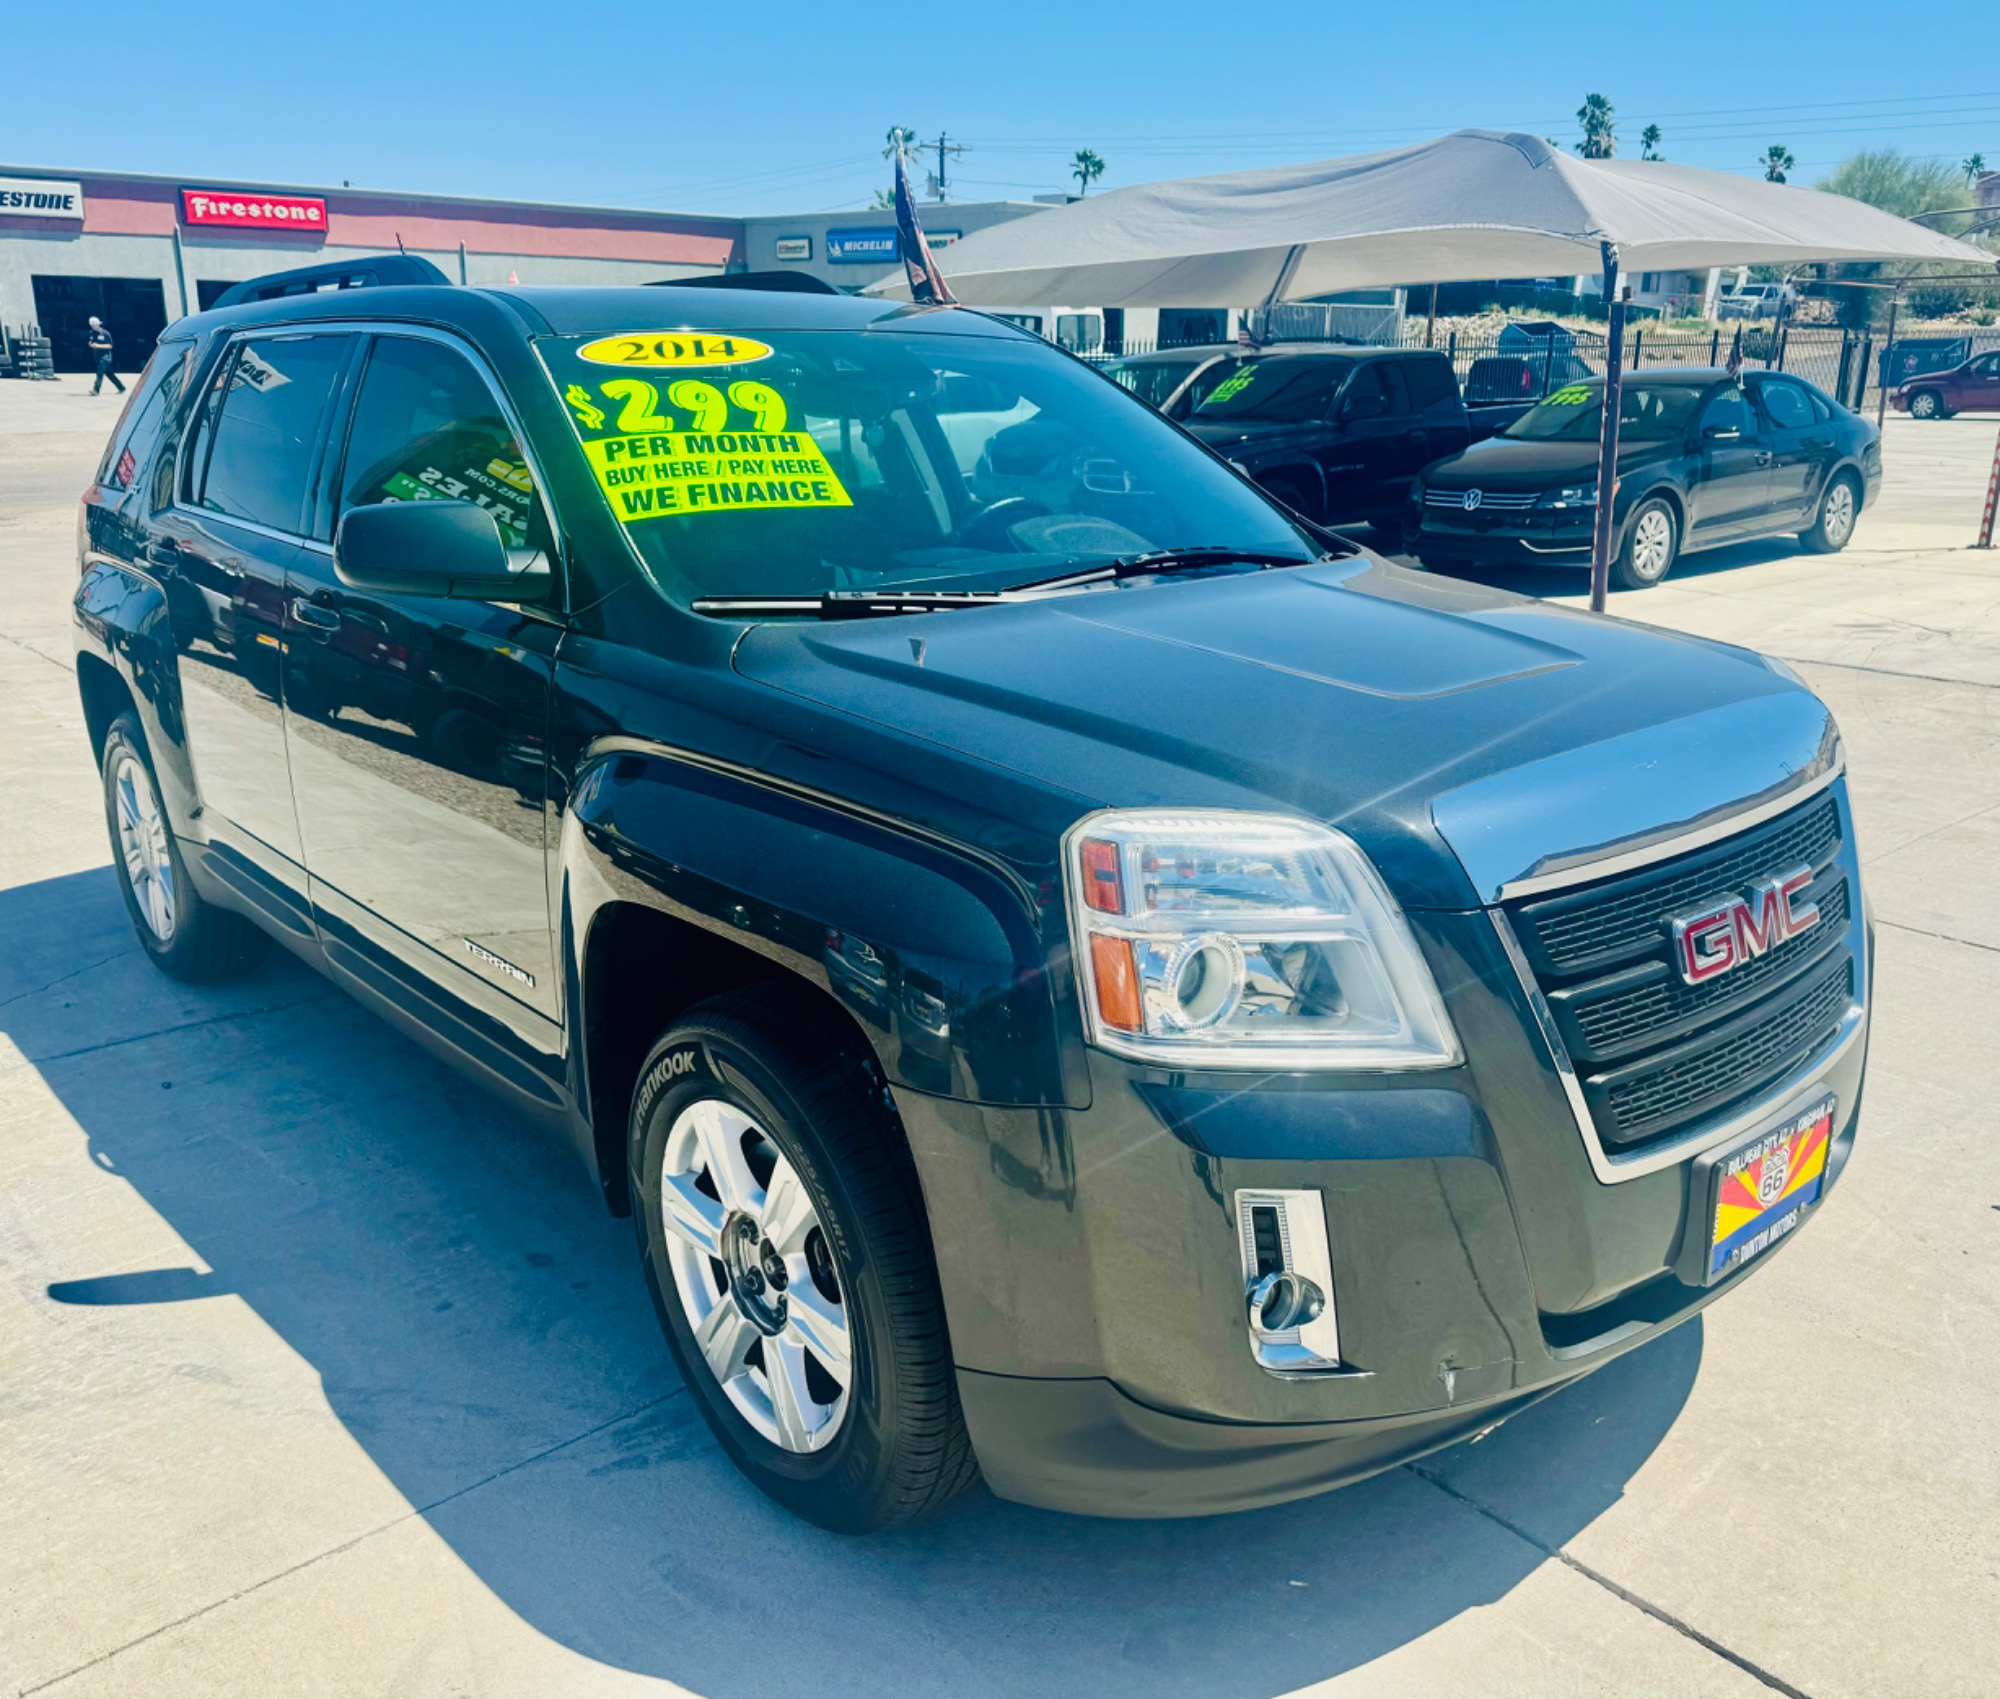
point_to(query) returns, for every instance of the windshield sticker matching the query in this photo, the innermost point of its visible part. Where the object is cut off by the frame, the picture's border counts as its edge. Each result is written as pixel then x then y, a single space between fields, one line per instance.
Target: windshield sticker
pixel 675 348
pixel 1235 384
pixel 699 449
pixel 1576 395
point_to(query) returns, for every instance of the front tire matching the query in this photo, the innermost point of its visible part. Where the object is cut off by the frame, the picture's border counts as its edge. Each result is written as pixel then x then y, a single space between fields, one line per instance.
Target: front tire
pixel 1833 524
pixel 187 936
pixel 1652 543
pixel 1928 404
pixel 786 1246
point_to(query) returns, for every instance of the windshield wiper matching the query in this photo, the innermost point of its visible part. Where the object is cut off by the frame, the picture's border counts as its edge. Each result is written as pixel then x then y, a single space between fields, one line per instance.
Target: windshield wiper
pixel 869 604
pixel 850 604
pixel 1164 560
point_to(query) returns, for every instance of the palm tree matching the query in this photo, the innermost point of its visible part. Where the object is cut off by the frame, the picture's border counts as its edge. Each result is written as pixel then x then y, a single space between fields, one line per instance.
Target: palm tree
pixel 901 139
pixel 1600 139
pixel 1649 143
pixel 1776 162
pixel 1086 168
pixel 1975 167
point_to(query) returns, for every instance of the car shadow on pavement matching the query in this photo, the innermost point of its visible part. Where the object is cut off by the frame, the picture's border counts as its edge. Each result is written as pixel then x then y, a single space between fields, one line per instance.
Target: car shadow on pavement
pixel 479 1326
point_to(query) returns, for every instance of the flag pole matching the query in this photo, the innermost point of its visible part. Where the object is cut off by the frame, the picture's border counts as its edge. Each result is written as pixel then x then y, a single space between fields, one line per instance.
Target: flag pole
pixel 927 285
pixel 1607 436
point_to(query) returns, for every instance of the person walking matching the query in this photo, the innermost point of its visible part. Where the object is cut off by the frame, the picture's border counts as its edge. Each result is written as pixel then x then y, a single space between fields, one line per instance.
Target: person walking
pixel 100 345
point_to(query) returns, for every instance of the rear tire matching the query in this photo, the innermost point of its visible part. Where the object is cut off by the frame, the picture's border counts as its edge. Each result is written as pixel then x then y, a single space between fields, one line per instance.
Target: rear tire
pixel 1928 404
pixel 1833 524
pixel 187 936
pixel 1652 544
pixel 793 1226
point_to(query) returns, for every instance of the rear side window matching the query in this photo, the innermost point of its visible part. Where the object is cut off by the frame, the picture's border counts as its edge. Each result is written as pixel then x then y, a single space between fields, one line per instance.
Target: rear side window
pixel 261 428
pixel 1431 383
pixel 1788 406
pixel 427 428
pixel 153 398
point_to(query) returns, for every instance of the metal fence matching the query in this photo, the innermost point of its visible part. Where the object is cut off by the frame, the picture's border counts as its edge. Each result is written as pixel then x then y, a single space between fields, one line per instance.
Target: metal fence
pixel 1491 367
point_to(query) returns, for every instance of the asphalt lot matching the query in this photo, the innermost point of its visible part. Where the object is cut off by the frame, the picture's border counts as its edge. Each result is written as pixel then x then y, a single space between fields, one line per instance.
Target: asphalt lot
pixel 320 1375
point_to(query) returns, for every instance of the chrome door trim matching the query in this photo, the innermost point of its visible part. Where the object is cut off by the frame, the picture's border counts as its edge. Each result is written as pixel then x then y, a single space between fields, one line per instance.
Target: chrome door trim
pixel 1696 1141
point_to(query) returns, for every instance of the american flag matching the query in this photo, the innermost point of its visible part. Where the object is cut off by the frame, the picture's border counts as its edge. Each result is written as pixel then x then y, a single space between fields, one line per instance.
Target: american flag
pixel 927 284
pixel 1736 354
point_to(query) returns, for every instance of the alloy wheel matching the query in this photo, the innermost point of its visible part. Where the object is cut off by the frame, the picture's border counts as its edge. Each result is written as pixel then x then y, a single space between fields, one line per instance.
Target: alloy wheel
pixel 145 847
pixel 1838 523
pixel 755 1276
pixel 1923 405
pixel 1652 543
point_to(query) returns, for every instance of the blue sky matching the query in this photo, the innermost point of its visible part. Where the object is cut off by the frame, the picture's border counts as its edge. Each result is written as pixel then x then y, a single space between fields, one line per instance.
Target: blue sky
pixel 781 107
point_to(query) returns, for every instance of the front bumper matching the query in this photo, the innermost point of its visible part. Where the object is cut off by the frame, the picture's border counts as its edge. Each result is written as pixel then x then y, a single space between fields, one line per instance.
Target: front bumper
pixel 1545 537
pixel 1093 1275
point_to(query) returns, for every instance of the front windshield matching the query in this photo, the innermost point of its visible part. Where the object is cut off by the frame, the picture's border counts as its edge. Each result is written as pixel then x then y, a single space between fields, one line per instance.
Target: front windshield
pixel 1647 412
pixel 802 462
pixel 1152 381
pixel 1294 390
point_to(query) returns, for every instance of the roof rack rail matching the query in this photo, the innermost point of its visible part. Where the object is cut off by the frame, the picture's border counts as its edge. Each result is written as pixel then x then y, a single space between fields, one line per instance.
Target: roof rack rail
pixel 777 282
pixel 374 271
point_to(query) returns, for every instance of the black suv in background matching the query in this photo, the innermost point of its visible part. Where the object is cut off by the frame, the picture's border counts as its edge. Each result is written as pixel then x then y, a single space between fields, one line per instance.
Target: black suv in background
pixel 1075 973
pixel 1337 437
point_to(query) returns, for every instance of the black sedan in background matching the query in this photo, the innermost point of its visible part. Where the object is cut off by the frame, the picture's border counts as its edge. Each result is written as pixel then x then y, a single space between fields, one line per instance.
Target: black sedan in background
pixel 1704 459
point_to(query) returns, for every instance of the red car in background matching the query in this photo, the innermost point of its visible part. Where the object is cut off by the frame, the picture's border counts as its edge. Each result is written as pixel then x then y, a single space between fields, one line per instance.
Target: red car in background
pixel 1972 386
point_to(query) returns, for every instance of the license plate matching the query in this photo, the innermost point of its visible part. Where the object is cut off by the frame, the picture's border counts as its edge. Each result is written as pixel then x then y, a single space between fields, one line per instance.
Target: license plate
pixel 1762 1189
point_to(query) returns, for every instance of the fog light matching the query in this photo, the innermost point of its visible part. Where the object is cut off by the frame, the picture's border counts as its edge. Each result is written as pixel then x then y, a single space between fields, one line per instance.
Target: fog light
pixel 1288 1281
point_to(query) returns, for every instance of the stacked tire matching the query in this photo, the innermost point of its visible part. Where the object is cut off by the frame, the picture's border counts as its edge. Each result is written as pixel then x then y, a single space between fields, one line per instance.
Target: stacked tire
pixel 34 357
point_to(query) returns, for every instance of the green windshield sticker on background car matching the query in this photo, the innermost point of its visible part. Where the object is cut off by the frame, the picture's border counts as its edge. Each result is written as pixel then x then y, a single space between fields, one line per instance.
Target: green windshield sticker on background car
pixel 698 448
pixel 1574 395
pixel 1235 384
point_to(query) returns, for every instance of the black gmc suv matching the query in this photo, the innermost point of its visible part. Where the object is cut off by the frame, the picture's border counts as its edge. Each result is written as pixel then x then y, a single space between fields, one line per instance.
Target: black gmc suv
pixel 1075 974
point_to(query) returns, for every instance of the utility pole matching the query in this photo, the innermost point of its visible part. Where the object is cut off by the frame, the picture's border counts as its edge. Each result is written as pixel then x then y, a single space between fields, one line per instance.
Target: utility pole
pixel 944 147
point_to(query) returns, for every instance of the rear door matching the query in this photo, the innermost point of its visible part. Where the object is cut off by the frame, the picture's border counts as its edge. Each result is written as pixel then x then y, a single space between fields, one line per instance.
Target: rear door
pixel 1729 491
pixel 1367 444
pixel 418 724
pixel 1801 446
pixel 222 549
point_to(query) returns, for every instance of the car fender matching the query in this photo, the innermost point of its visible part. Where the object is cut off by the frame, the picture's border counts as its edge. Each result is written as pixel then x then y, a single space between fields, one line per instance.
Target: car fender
pixel 122 621
pixel 935 950
pixel 1297 469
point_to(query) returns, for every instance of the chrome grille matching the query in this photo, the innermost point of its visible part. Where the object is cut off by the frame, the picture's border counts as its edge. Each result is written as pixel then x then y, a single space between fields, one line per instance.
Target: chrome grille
pixel 1490 501
pixel 1654 1054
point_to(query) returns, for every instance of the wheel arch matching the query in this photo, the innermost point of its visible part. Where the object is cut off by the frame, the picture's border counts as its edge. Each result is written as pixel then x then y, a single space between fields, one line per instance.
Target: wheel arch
pixel 679 882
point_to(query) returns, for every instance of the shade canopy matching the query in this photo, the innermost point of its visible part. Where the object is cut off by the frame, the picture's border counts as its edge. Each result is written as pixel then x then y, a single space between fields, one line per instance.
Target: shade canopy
pixel 1474 204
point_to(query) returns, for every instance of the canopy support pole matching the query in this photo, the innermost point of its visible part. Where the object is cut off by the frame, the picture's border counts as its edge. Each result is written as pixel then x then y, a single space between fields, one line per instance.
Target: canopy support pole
pixel 1282 282
pixel 1607 436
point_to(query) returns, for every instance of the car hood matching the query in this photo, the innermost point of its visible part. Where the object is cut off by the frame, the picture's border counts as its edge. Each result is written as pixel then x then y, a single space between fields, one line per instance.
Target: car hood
pixel 1500 463
pixel 1225 434
pixel 1451 729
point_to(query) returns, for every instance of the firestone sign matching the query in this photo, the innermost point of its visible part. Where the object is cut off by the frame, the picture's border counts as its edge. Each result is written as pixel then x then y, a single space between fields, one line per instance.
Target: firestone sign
pixel 40 197
pixel 235 211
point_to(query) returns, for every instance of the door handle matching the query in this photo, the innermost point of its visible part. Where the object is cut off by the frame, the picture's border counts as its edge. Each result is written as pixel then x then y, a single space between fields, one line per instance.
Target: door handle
pixel 1763 457
pixel 164 551
pixel 315 616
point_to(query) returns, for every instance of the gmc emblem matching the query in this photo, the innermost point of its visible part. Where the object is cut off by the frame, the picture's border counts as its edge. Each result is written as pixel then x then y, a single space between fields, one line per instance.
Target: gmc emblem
pixel 1738 930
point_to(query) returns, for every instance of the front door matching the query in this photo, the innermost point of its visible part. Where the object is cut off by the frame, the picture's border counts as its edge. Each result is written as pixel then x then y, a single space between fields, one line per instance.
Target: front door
pixel 222 549
pixel 418 723
pixel 1978 386
pixel 1729 492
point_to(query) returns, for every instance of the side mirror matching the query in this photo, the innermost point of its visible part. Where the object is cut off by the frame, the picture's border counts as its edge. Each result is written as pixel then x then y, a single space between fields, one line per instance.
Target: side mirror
pixel 435 548
pixel 1365 407
pixel 1720 433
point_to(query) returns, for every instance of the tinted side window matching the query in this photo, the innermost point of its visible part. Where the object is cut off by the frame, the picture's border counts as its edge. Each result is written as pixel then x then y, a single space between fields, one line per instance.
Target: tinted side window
pixel 1822 411
pixel 427 428
pixel 1730 411
pixel 1367 385
pixel 272 395
pixel 1431 383
pixel 1788 406
pixel 153 398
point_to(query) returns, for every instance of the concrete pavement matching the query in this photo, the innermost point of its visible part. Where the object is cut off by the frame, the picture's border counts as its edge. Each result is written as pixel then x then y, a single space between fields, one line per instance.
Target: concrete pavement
pixel 320 1375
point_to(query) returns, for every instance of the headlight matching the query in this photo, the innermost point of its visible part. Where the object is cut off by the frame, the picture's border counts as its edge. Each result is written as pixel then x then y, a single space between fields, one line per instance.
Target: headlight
pixel 1207 938
pixel 1570 495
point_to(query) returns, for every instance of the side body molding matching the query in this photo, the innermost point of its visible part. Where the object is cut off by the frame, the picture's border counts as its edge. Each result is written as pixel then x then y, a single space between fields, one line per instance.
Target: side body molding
pixel 934 950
